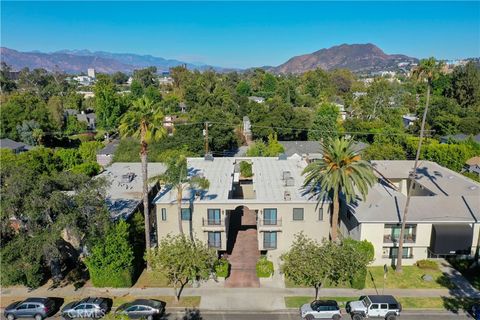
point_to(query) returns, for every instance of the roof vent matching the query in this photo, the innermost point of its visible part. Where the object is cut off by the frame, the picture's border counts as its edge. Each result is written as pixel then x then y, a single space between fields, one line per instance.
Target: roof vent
pixel 208 157
pixel 287 196
pixel 128 177
pixel 286 175
pixel 282 156
pixel 290 182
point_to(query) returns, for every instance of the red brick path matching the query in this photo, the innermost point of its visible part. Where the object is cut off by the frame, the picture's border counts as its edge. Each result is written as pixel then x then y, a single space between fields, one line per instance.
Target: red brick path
pixel 244 255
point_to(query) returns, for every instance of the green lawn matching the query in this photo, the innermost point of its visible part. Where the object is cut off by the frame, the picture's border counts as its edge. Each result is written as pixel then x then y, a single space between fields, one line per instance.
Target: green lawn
pixel 411 277
pixel 407 302
pixel 185 302
pixel 150 279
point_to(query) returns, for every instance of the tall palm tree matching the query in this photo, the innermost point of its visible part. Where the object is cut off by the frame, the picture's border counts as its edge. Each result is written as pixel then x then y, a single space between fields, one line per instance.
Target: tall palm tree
pixel 341 171
pixel 143 121
pixel 177 177
pixel 428 70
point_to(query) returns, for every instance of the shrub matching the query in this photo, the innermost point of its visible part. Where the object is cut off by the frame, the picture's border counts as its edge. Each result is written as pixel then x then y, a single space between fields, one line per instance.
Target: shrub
pixel 264 268
pixel 427 264
pixel 88 168
pixel 222 268
pixel 246 169
pixel 358 280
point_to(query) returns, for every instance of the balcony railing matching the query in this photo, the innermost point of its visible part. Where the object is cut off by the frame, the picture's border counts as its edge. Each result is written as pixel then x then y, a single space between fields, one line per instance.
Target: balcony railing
pixel 270 222
pixel 387 256
pixel 213 222
pixel 408 238
pixel 215 244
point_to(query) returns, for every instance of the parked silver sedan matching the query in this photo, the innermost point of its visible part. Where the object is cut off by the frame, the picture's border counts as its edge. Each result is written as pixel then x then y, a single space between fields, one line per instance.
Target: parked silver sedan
pixel 142 308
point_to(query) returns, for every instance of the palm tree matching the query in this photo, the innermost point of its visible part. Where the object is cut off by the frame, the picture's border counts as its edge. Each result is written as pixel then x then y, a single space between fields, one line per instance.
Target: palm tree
pixel 143 121
pixel 341 171
pixel 177 177
pixel 428 70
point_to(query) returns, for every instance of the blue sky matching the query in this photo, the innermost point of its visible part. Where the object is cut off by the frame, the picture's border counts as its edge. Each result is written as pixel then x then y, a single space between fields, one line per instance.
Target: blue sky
pixel 242 34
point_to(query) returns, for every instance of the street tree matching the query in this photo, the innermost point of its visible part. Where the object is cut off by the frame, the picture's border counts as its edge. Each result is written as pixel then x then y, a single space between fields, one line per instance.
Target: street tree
pixel 144 121
pixel 313 264
pixel 181 260
pixel 341 171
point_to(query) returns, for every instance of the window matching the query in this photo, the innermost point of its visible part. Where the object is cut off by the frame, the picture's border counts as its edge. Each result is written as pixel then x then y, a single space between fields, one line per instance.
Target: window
pixel 32 306
pixel 186 215
pixel 23 307
pixel 297 214
pixel 270 216
pixel 320 214
pixel 214 240
pixel 164 214
pixel 384 306
pixel 270 240
pixel 213 216
pixel 407 253
pixel 89 306
pixel 133 308
pixel 374 306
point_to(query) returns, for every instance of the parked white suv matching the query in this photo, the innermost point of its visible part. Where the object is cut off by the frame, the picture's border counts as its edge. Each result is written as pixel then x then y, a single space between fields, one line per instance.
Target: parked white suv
pixel 374 306
pixel 321 309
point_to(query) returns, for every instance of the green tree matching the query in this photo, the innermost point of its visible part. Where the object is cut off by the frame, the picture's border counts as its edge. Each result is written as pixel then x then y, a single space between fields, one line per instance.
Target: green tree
pixel 340 171
pixel 143 121
pixel 182 260
pixel 110 263
pixel 325 123
pixel 176 177
pixel 270 149
pixel 427 70
pixel 88 150
pixel 310 263
pixel 6 84
pixel 108 105
pixel 55 109
pixel 379 151
pixel 243 88
pixel 466 85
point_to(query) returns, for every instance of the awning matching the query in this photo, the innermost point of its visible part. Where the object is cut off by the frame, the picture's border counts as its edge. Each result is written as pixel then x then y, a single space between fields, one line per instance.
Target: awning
pixel 451 238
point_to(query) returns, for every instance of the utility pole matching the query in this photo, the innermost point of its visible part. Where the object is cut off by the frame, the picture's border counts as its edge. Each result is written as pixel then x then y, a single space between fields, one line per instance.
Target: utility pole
pixel 206 137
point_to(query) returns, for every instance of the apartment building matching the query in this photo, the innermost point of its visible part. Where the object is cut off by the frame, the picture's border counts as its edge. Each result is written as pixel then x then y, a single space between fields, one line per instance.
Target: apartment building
pixel 443 218
pixel 271 201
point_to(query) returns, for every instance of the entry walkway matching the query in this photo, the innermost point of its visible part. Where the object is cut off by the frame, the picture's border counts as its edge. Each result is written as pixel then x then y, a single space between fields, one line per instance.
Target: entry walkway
pixel 245 254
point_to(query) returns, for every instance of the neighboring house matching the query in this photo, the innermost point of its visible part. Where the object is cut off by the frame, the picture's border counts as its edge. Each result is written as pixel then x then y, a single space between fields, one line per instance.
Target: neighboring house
pixel 473 165
pixel 83 80
pixel 124 193
pixel 271 202
pixel 358 94
pixel 105 155
pixel 310 150
pixel 87 94
pixel 130 80
pixel 169 123
pixel 91 73
pixel 16 147
pixel 409 120
pixel 443 218
pixel 459 138
pixel 89 118
pixel 165 81
pixel 341 110
pixel 256 99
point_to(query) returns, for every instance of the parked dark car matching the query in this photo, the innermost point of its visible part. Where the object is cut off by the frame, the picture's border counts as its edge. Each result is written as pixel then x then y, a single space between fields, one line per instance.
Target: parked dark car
pixel 476 311
pixel 142 308
pixel 38 308
pixel 86 308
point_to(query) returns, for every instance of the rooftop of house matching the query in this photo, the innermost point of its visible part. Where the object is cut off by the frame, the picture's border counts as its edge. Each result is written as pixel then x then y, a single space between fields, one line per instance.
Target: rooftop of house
pixel 474 161
pixel 269 184
pixel 452 197
pixel 124 192
pixel 13 145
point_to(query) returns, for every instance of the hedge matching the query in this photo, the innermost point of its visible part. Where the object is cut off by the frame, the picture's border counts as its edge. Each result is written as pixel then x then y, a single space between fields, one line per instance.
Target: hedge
pixel 110 278
pixel 359 279
pixel 264 268
pixel 222 268
pixel 427 264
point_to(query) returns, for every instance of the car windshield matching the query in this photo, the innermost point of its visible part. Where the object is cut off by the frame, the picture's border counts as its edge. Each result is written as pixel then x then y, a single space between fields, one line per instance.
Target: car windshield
pixel 366 302
pixel 314 305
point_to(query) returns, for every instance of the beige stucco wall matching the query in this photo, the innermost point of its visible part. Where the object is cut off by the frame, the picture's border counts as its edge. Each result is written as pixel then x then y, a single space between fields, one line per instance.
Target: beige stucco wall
pixel 311 225
pixel 476 237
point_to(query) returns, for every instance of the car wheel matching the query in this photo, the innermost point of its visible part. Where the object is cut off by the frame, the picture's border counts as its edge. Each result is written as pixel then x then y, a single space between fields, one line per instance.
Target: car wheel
pixel 391 317
pixel 357 317
pixel 309 317
pixel 336 317
pixel 38 316
pixel 10 316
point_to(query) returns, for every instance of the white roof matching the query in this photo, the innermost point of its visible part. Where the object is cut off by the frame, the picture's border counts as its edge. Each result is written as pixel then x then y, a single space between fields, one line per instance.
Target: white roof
pixel 123 195
pixel 267 180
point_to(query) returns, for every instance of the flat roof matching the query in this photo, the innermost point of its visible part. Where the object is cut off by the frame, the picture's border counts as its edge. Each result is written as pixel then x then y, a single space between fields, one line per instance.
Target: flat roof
pixel 124 194
pixel 455 199
pixel 268 182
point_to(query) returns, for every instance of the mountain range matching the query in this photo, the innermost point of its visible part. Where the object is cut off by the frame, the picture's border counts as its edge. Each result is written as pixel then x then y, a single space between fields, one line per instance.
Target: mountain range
pixel 355 57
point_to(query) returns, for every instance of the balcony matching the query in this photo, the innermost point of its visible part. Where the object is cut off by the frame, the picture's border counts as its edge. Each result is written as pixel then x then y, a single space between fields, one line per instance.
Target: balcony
pixel 269 224
pixel 212 224
pixel 408 238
